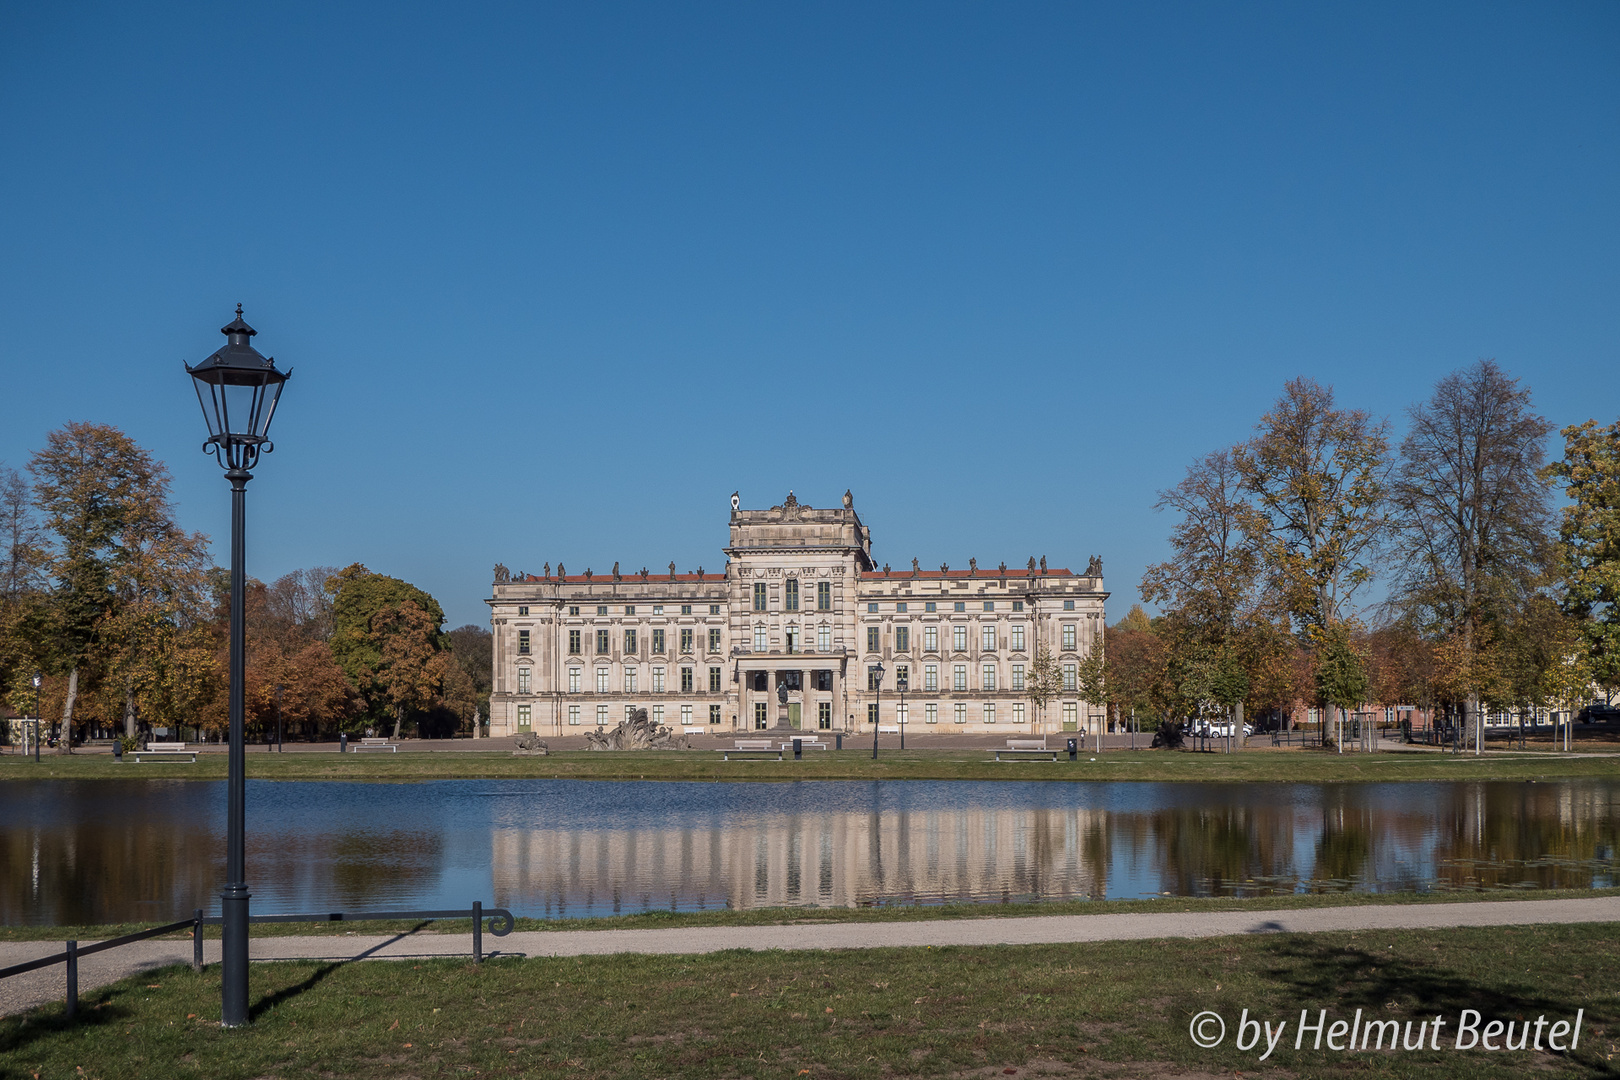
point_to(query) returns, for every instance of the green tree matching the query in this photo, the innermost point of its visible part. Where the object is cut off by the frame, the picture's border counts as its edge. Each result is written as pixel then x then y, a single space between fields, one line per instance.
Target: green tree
pixel 1044 682
pixel 389 653
pixel 1589 542
pixel 1341 675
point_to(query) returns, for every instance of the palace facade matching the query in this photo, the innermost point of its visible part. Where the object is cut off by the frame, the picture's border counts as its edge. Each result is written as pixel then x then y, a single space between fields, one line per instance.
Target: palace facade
pixel 800 630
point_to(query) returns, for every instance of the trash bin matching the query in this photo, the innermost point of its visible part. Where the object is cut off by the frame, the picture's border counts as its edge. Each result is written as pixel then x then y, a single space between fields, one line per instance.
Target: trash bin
pixel 118 749
pixel 343 743
pixel 1074 749
pixel 838 741
pixel 798 749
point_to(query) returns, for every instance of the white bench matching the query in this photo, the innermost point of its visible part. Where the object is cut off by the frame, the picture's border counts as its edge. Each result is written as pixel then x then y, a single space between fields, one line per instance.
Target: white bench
pixel 1019 749
pixel 895 730
pixel 695 730
pixel 165 752
pixel 375 744
pixel 749 746
pixel 805 743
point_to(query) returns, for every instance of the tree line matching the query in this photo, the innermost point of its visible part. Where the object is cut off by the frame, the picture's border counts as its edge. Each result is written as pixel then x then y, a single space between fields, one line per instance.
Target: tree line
pixel 125 617
pixel 1491 600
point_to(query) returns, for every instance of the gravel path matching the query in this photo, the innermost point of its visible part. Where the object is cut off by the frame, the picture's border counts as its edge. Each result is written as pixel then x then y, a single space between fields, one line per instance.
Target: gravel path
pixel 36 988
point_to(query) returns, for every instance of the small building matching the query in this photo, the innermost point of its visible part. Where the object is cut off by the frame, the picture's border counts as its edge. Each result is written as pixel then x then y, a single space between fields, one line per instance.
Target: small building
pixel 790 635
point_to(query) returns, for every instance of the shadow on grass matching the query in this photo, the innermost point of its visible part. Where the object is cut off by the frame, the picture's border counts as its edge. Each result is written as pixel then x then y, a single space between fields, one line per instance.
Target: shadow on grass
pixel 97 1009
pixel 316 977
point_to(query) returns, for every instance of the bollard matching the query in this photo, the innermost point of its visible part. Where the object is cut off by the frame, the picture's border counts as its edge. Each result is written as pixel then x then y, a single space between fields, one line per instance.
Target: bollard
pixel 478 931
pixel 72 977
pixel 196 941
pixel 798 749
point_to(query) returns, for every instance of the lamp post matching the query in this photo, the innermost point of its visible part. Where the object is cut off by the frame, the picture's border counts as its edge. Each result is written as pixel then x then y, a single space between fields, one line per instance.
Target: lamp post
pixel 876 670
pixel 238 390
pixel 279 747
pixel 36 717
pixel 902 684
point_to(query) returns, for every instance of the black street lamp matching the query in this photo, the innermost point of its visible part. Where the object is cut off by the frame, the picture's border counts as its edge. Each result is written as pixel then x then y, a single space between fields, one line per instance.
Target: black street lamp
pixel 902 684
pixel 279 747
pixel 876 674
pixel 238 390
pixel 36 717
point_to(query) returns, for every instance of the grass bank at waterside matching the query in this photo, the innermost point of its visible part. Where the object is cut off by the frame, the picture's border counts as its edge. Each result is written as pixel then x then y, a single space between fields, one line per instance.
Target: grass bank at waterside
pixel 1265 765
pixel 1118 1009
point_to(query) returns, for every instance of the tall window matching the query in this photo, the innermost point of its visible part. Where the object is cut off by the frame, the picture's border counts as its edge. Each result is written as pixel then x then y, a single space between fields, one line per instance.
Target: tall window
pixel 601 642
pixel 872 639
pixel 759 596
pixel 931 639
pixel 873 716
pixel 686 680
pixel 1018 676
pixel 523 641
pixel 1018 712
pixel 987 677
pixel 762 716
pixel 714 714
pixel 902 639
pixel 686 641
pixel 714 639
pixel 824 716
pixel 959 638
pixel 902 677
pixel 686 715
pixel 601 680
pixel 523 680
pixel 629 641
pixel 1071 716
pixel 760 641
pixel 629 680
pixel 1068 637
pixel 658 714
pixel 714 680
pixel 987 638
pixel 961 712
pixel 523 716
pixel 601 716
pixel 574 674
pixel 989 712
pixel 823 596
pixel 790 594
pixel 658 680
pixel 573 641
pixel 874 680
pixel 1071 677
pixel 629 713
pixel 959 677
pixel 823 638
pixel 658 641
pixel 1018 638
pixel 573 716
pixel 931 713
pixel 930 676
pixel 900 713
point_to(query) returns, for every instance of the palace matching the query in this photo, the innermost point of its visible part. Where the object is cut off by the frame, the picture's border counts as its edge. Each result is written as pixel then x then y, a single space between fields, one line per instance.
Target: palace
pixel 801 630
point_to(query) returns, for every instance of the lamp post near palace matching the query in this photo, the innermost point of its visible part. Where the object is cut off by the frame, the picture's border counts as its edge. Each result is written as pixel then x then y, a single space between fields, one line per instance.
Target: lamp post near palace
pixel 876 671
pixel 238 390
pixel 902 684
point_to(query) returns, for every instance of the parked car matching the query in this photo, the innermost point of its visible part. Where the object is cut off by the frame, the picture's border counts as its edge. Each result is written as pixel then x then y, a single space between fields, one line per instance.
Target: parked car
pixel 1599 712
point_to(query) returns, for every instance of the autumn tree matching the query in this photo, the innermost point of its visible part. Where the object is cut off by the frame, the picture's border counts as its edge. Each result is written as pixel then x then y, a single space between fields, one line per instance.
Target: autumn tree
pixel 472 648
pixel 386 636
pixel 1589 542
pixel 1210 578
pixel 1044 681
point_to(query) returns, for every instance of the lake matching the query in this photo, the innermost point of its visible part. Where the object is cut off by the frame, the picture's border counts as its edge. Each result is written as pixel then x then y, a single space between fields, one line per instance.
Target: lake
pixel 109 851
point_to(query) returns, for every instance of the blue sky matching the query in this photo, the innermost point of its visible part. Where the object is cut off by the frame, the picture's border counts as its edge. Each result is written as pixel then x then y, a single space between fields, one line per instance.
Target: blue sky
pixel 555 280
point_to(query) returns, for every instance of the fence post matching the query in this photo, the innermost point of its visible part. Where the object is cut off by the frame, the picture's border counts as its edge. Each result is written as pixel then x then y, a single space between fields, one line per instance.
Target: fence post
pixel 196 941
pixel 72 978
pixel 478 931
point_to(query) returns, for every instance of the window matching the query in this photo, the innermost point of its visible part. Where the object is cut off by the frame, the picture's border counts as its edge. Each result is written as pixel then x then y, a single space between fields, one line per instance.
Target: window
pixel 1071 677
pixel 959 677
pixel 987 677
pixel 824 638
pixel 759 596
pixel 1018 605
pixel 1068 637
pixel 931 713
pixel 714 680
pixel 989 712
pixel 601 641
pixel 902 677
pixel 573 641
pixel 1018 638
pixel 959 638
pixel 1068 605
pixel 762 715
pixel 929 606
pixel 630 609
pixel 931 639
pixel 873 715
pixel 1071 716
pixel 1018 677
pixel 686 640
pixel 523 716
pixel 629 680
pixel 523 611
pixel 686 609
pixel 523 680
pixel 760 642
pixel 871 609
pixel 658 680
pixel 658 609
pixel 629 641
pixel 930 676
pixel 872 640
pixel 790 594
pixel 658 641
pixel 900 713
pixel 574 610
pixel 902 639
pixel 987 638
pixel 989 605
pixel 961 605
pixel 686 680
pixel 686 715
pixel 714 609
pixel 714 639
pixel 874 678
pixel 823 596
pixel 658 714
pixel 601 609
pixel 573 716
pixel 523 641
pixel 824 680
pixel 601 716
pixel 714 714
pixel 1018 712
pixel 574 675
pixel 900 607
pixel 824 716
pixel 961 712
pixel 629 713
pixel 601 680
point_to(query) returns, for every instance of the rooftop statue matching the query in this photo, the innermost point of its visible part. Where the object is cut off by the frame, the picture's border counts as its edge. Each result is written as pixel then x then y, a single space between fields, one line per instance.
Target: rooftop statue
pixel 502 574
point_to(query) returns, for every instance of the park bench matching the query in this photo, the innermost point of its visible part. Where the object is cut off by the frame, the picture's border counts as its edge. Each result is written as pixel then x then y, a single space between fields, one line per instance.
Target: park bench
pixel 1019 749
pixel 375 744
pixel 887 730
pixel 165 752
pixel 806 742
pixel 695 729
pixel 749 747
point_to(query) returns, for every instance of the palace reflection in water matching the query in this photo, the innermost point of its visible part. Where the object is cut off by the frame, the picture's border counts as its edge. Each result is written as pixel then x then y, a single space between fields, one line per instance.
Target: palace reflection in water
pixel 76 852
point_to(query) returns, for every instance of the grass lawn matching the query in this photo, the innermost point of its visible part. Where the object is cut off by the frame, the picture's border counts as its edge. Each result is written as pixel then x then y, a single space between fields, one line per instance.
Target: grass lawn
pixel 1268 765
pixel 1117 1009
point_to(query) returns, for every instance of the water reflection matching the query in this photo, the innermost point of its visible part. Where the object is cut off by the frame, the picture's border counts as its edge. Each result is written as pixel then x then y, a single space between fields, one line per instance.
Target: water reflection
pixel 108 851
